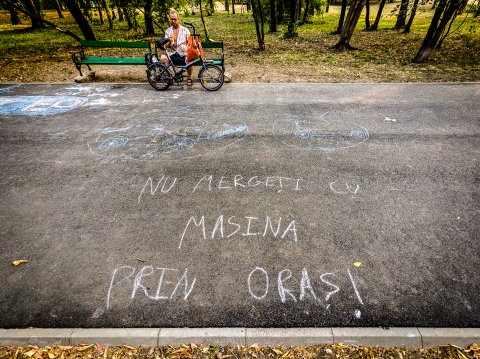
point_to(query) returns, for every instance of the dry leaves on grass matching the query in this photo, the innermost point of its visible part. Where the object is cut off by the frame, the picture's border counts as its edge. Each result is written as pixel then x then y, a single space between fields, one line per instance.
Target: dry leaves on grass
pixel 219 352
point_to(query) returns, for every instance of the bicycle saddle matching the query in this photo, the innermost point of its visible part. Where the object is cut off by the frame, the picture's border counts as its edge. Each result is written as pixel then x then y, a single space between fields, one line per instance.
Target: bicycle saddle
pixel 162 42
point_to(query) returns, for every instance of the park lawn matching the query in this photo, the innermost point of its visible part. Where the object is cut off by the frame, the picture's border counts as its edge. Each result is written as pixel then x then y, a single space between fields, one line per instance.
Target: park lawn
pixel 381 56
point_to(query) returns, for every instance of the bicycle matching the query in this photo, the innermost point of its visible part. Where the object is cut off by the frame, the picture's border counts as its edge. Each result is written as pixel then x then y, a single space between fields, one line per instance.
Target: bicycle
pixel 162 75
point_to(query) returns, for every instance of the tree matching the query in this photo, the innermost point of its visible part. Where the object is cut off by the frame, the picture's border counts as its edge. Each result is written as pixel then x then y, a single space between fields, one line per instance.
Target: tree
pixel 367 15
pixel 445 13
pixel 80 19
pixel 342 17
pixel 273 17
pixel 379 15
pixel 33 12
pixel 291 20
pixel 42 21
pixel 412 16
pixel 402 15
pixel 305 11
pixel 258 18
pixel 14 18
pixel 56 4
pixel 203 20
pixel 352 19
pixel 147 7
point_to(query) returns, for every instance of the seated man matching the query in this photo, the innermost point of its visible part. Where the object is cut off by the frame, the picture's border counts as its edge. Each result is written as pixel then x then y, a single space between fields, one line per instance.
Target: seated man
pixel 178 36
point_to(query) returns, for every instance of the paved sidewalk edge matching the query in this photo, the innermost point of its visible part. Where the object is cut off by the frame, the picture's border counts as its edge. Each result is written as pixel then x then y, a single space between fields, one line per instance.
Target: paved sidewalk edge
pixel 385 337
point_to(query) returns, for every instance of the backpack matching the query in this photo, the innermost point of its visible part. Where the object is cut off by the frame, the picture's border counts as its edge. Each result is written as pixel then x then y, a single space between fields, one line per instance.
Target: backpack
pixel 194 49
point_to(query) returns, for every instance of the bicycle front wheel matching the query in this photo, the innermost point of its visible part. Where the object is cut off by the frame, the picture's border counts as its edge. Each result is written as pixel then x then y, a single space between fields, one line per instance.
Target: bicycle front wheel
pixel 158 76
pixel 211 77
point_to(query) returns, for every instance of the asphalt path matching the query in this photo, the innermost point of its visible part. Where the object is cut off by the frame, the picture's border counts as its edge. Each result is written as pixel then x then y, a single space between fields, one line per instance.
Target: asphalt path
pixel 260 205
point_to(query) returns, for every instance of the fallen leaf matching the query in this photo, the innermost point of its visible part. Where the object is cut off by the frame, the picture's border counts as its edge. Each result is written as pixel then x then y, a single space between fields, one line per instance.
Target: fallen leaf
pixel 51 355
pixel 357 264
pixel 83 348
pixel 390 119
pixel 65 347
pixel 99 348
pixel 18 262
pixel 277 351
pixel 30 353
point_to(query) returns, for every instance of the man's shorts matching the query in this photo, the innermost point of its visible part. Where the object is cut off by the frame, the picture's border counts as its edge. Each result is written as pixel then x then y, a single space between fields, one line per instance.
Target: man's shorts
pixel 178 60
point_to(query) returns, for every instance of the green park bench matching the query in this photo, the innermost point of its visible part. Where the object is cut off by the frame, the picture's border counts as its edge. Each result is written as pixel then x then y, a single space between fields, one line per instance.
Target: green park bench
pixel 79 57
pixel 219 58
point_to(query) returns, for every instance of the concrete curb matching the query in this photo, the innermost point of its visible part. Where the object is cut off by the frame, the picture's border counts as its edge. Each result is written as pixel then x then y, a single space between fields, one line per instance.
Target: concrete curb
pixel 383 337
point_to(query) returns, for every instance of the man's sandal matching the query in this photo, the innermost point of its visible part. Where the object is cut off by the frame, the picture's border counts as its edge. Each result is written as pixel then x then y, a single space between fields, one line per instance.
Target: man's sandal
pixel 189 82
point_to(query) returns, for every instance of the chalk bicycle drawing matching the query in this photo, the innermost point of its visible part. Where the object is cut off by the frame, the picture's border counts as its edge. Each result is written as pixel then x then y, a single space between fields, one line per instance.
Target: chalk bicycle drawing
pixel 161 76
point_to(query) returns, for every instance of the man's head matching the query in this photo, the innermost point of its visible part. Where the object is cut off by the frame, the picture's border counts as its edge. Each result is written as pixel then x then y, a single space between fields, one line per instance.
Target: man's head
pixel 174 18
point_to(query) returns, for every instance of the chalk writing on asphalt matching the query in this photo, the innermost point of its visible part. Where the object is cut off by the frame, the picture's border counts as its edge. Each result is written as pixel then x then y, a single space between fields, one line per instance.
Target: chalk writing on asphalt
pixel 318 133
pixel 39 105
pixel 226 226
pixel 154 283
pixel 210 183
pixel 163 139
pixel 162 284
pixel 288 287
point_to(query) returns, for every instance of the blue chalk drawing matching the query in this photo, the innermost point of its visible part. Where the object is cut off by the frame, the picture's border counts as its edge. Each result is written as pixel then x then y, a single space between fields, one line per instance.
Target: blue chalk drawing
pixel 39 105
pixel 316 133
pixel 166 139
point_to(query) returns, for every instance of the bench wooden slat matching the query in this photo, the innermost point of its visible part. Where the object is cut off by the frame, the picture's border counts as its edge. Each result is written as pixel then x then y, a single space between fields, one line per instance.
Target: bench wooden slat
pixel 119 44
pixel 212 44
pixel 112 61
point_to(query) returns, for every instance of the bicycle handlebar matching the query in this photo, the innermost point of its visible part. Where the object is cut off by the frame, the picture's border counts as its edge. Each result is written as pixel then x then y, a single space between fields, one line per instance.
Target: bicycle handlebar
pixel 189 24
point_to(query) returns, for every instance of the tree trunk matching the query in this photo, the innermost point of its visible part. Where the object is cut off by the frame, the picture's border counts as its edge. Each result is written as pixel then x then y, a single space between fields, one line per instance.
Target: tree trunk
pixel 342 17
pixel 99 10
pixel 233 7
pixel 305 12
pixel 402 15
pixel 352 19
pixel 291 20
pixel 280 4
pixel 32 14
pixel 445 12
pixel 328 6
pixel 367 15
pixel 80 19
pixel 210 7
pixel 412 16
pixel 120 14
pixel 227 7
pixel 374 27
pixel 256 13
pixel 85 9
pixel 14 18
pixel 273 17
pixel 298 10
pixel 56 4
pixel 149 30
pixel 203 20
pixel 127 18
pixel 107 12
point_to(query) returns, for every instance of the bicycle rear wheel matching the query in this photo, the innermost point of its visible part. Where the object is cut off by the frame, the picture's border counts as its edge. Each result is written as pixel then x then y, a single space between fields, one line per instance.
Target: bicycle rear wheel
pixel 159 76
pixel 211 77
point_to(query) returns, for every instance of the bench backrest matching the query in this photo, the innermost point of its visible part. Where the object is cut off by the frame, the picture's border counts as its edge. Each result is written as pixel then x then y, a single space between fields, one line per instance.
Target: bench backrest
pixel 122 44
pixel 212 44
